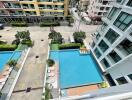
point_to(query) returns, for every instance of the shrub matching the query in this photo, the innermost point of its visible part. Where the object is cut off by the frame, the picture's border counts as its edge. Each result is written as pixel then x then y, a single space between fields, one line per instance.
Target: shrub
pixel 23 35
pixel 19 24
pixel 50 62
pixel 56 37
pixel 16 41
pixel 79 36
pixel 47 24
pixel 12 63
pixel 70 19
pixel 3 42
pixel 7 47
pixel 29 43
pixel 70 46
pixel 103 85
pixel 48 94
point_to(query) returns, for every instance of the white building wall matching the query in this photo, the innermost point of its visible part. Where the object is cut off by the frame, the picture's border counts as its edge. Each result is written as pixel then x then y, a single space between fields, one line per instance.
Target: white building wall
pixel 123 67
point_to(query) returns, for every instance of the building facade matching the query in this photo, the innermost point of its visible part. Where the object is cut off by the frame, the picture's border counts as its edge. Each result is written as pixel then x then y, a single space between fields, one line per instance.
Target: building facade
pixel 98 8
pixel 112 44
pixel 83 5
pixel 32 10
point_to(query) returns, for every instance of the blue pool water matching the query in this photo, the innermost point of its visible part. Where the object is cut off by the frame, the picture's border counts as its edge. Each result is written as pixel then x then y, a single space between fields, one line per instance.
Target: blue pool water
pixel 5 56
pixel 76 69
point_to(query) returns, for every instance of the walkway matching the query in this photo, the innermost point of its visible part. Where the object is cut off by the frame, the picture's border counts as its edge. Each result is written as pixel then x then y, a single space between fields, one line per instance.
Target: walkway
pixel 32 74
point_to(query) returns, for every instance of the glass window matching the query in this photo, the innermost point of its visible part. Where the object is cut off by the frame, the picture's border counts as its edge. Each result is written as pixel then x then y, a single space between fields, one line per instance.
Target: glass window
pixel 121 80
pixel 130 76
pixel 97 53
pixel 111 36
pixel 93 44
pixel 112 13
pixel 115 57
pixel 104 26
pixel 103 46
pixel 123 21
pixel 105 63
pixel 97 36
pixel 129 3
pixel 118 1
pixel 125 47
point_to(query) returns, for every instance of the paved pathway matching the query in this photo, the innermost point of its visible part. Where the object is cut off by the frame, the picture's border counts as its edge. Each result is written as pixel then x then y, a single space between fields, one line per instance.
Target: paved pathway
pixel 32 74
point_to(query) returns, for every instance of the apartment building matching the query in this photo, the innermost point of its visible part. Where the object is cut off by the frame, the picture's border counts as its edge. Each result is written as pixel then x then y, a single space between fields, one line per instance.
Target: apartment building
pixel 83 5
pixel 98 8
pixel 112 44
pixel 32 10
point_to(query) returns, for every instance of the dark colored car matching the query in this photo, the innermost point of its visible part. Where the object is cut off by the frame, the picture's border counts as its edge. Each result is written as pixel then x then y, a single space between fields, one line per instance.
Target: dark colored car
pixel 1 26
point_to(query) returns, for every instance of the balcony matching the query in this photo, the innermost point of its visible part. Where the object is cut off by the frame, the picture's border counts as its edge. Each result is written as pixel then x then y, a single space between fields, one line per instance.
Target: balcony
pixel 28 6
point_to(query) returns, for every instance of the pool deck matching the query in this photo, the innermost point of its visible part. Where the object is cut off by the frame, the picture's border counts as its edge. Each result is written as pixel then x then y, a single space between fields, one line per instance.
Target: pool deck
pixel 27 77
pixel 81 90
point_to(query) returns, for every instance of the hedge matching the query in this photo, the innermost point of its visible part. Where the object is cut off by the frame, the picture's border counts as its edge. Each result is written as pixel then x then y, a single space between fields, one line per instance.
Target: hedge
pixel 29 43
pixel 70 46
pixel 7 47
pixel 46 24
pixel 19 24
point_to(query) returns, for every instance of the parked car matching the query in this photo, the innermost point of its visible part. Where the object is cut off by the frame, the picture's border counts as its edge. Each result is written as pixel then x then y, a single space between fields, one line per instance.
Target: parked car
pixel 1 26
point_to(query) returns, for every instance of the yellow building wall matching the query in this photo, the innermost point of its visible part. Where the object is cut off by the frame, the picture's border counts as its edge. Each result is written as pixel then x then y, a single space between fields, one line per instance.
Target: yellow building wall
pixel 36 6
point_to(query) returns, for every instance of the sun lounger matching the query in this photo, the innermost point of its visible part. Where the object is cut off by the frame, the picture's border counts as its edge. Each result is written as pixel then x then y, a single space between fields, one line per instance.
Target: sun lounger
pixel 51 74
pixel 51 68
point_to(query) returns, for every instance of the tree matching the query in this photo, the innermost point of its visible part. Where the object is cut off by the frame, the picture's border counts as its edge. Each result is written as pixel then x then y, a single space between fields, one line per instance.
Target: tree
pixel 79 36
pixel 23 35
pixel 52 35
pixel 56 37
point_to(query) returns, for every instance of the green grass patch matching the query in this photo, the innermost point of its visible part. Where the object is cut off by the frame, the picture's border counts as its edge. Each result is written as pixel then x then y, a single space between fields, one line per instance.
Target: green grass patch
pixel 54 47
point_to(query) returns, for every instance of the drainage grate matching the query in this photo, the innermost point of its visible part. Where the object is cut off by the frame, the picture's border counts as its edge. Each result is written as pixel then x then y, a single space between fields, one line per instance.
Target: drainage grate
pixel 28 89
pixel 37 57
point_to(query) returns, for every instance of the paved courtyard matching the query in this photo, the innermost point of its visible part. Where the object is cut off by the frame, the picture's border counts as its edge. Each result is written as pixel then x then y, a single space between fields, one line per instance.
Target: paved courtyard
pixel 32 74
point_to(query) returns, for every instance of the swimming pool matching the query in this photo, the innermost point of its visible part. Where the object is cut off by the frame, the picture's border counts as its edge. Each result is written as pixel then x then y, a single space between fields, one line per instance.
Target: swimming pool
pixel 76 69
pixel 5 56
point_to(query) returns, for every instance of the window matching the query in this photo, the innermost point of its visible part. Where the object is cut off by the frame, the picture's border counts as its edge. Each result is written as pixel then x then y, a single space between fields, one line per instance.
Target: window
pixel 129 3
pixel 105 63
pixel 112 13
pixel 111 36
pixel 107 8
pixel 97 36
pixel 103 46
pixel 118 1
pixel 99 13
pixel 123 21
pixel 125 47
pixel 104 26
pixel 121 80
pixel 101 8
pixel 97 53
pixel 93 44
pixel 115 57
pixel 130 76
